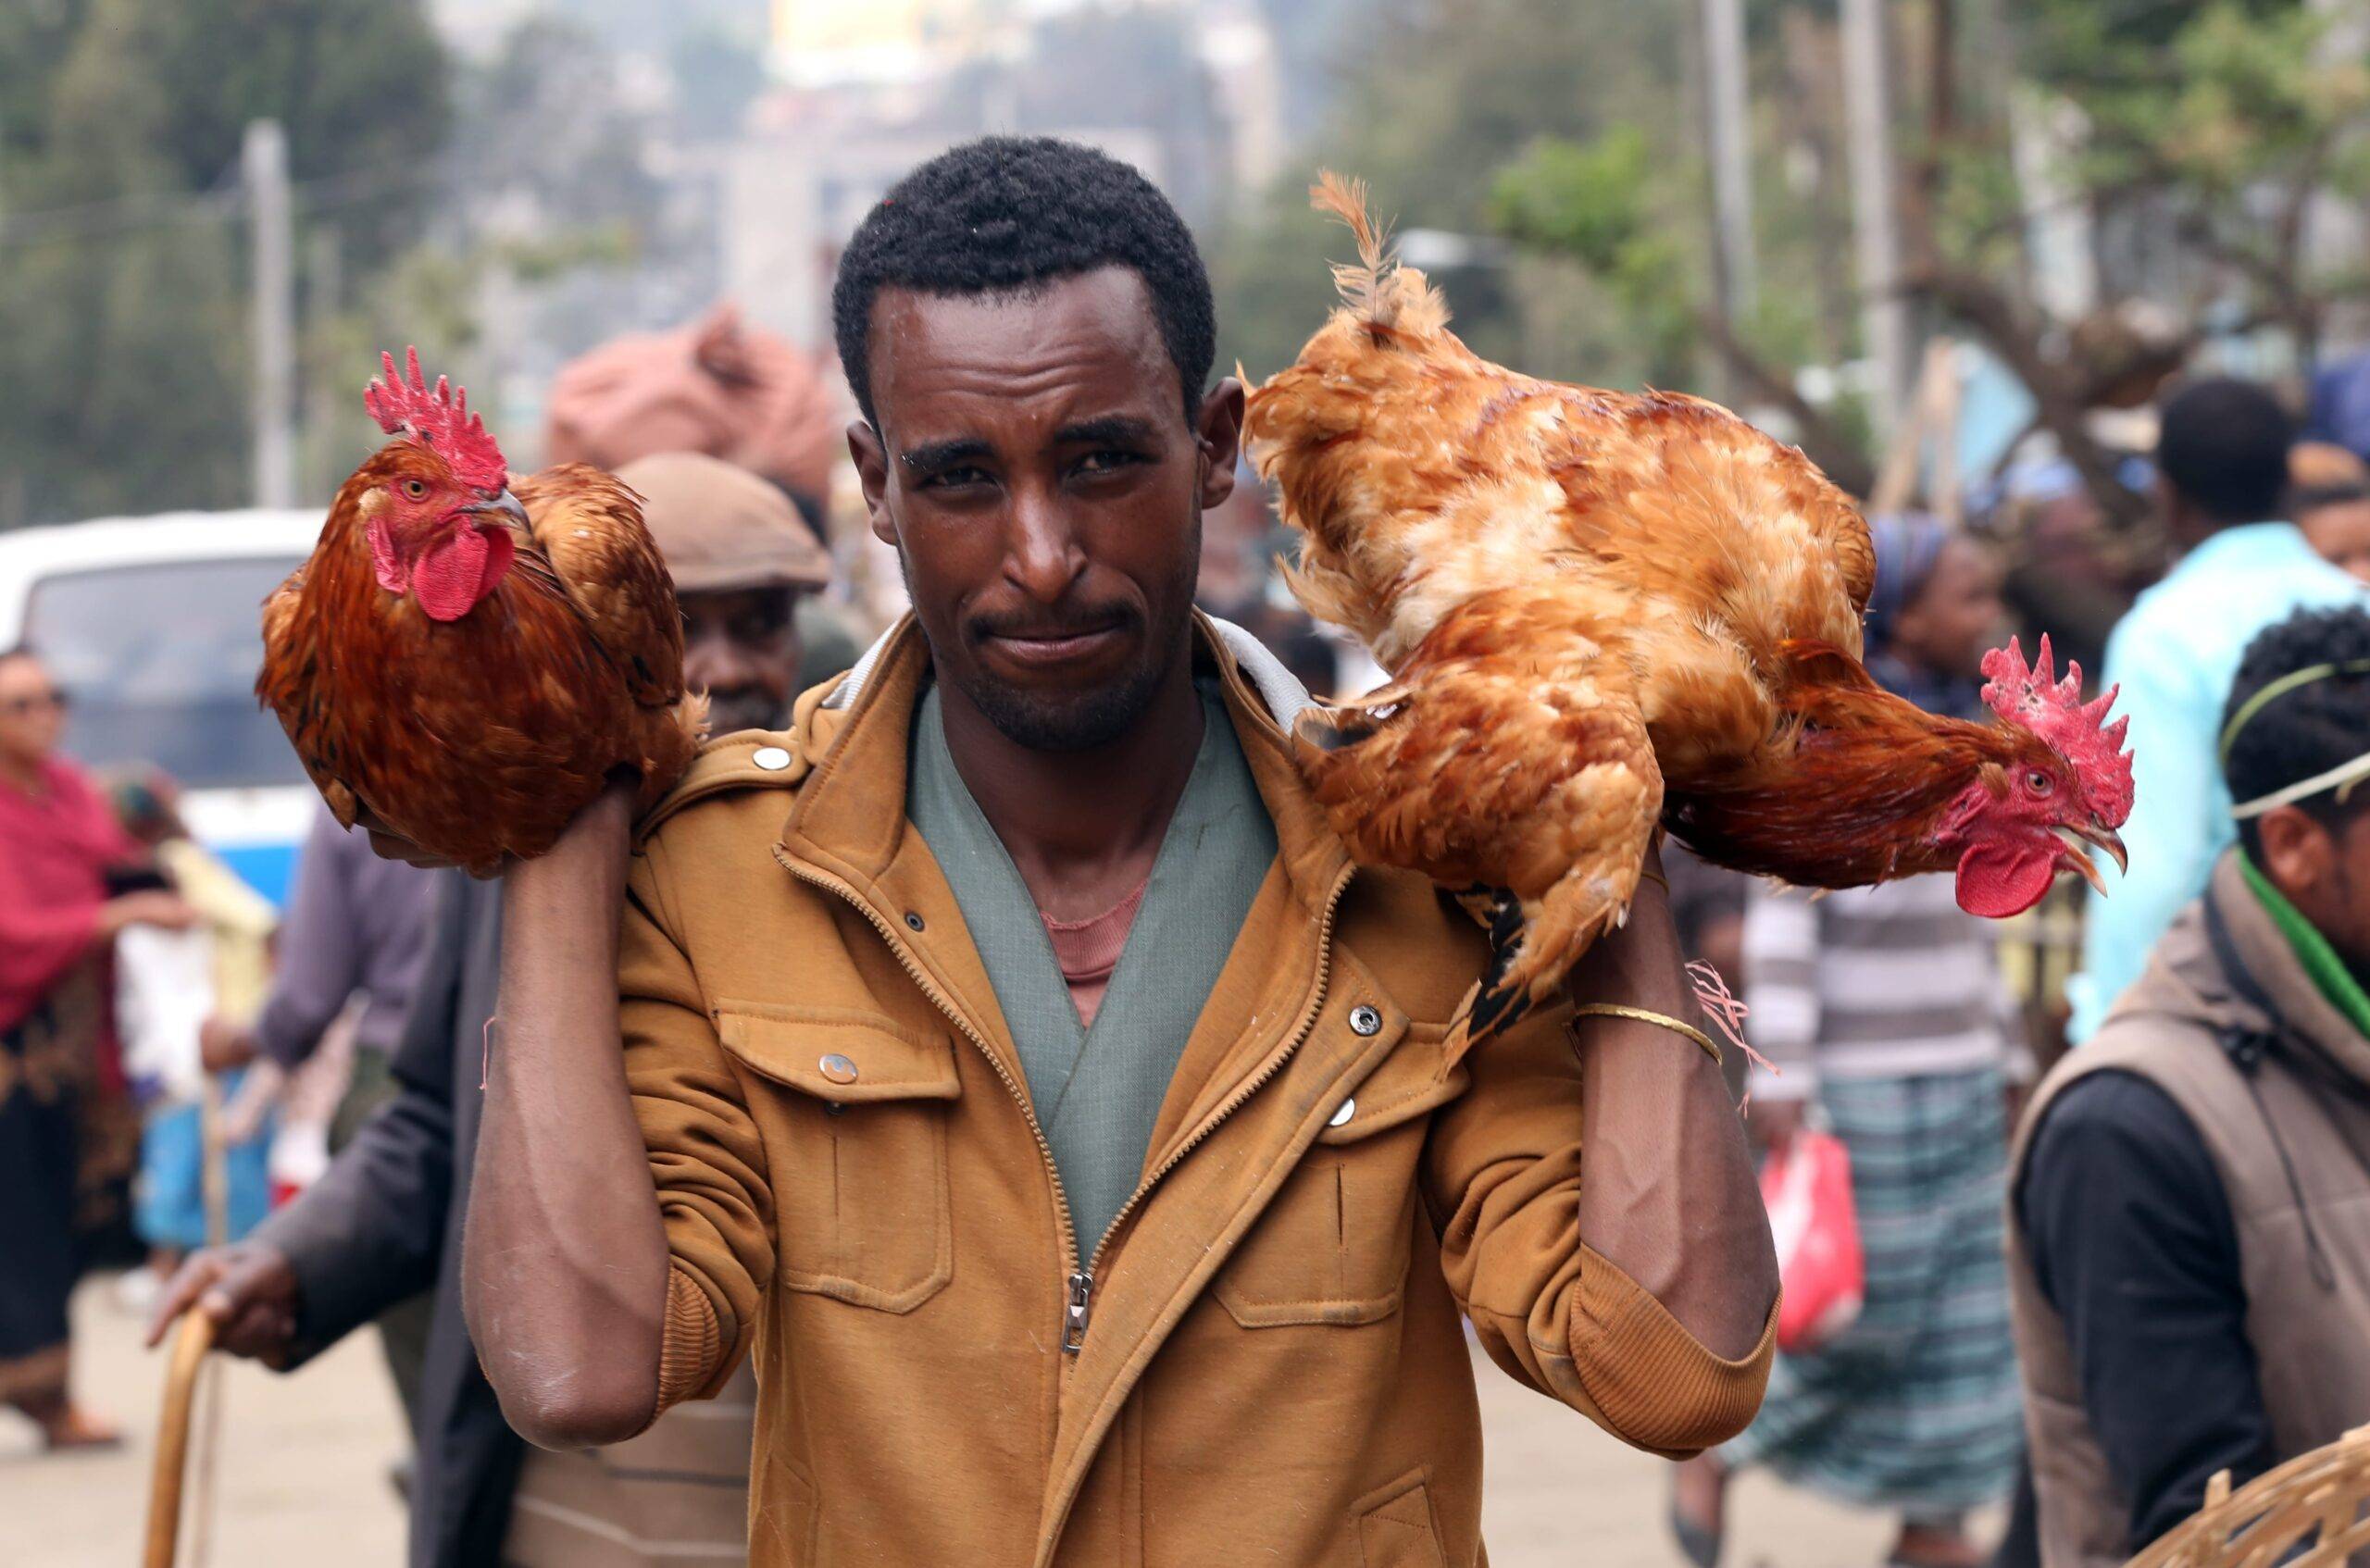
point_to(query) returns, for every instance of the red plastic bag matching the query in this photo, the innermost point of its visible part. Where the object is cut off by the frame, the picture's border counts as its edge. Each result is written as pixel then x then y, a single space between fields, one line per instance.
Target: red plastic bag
pixel 1807 1187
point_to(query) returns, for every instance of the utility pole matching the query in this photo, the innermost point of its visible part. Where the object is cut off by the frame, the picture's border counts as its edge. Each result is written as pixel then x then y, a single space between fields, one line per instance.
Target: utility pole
pixel 1728 106
pixel 263 171
pixel 1875 224
pixel 324 286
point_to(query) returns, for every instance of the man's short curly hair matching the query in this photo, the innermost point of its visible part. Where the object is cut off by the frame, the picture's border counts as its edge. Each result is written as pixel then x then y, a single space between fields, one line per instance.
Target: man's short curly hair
pixel 2307 731
pixel 1008 214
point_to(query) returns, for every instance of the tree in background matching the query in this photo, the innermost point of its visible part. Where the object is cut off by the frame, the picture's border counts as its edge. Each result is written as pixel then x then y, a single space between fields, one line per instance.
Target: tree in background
pixel 1432 97
pixel 122 280
pixel 2196 145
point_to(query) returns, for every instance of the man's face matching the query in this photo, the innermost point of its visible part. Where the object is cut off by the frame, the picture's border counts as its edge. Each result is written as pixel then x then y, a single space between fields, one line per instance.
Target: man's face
pixel 742 645
pixel 1957 613
pixel 2348 916
pixel 1044 490
pixel 32 715
pixel 2340 533
pixel 2324 867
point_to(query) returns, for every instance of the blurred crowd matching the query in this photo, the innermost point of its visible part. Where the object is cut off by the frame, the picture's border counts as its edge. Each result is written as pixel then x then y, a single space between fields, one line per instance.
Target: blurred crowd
pixel 165 1028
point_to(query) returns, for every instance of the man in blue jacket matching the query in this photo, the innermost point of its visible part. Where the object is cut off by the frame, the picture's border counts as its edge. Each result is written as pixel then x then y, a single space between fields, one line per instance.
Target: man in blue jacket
pixel 2221 466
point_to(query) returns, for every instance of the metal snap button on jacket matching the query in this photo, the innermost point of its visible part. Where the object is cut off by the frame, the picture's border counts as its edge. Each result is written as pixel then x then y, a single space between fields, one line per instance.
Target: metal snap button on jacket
pixel 1349 1109
pixel 838 1068
pixel 1364 1020
pixel 773 759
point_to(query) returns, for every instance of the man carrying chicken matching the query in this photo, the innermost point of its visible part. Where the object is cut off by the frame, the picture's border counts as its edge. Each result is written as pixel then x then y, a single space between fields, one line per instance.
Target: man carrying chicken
pixel 1013 1057
pixel 386 1223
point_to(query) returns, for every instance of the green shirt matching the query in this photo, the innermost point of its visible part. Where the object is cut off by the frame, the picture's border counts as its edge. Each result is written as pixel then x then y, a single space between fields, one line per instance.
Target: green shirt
pixel 1097 1091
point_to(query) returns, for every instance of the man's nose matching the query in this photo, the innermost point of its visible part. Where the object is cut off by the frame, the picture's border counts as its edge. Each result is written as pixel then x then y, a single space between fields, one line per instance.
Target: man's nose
pixel 712 660
pixel 1043 558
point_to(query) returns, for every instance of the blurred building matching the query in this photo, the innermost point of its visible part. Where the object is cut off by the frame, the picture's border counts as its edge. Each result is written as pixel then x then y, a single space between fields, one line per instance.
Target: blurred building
pixel 1187 93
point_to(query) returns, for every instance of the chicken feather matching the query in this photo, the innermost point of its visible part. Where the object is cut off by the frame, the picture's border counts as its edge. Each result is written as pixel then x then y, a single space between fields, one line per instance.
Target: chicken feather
pixel 479 735
pixel 1602 613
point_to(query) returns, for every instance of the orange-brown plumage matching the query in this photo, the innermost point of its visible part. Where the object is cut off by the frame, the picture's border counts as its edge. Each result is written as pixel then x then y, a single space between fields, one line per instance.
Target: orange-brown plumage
pixel 477 720
pixel 1603 612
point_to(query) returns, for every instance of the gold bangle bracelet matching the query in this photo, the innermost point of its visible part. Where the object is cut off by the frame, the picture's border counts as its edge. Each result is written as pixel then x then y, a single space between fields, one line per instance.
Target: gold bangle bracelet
pixel 1648 873
pixel 1660 1020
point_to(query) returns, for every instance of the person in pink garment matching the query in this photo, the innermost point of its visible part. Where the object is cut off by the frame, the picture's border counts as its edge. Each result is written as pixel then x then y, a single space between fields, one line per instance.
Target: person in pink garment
pixel 62 857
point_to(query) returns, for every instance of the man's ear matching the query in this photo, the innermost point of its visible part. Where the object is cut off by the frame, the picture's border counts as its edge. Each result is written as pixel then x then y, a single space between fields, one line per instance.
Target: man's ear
pixel 2298 852
pixel 872 470
pixel 1219 432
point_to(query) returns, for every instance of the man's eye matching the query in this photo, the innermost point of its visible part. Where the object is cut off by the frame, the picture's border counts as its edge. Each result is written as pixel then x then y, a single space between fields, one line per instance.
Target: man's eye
pixel 962 474
pixel 1107 462
pixel 759 628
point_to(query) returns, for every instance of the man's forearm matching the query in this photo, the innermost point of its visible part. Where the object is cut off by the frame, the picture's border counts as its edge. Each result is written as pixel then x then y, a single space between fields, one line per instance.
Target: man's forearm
pixel 369 1232
pixel 1667 1190
pixel 565 1272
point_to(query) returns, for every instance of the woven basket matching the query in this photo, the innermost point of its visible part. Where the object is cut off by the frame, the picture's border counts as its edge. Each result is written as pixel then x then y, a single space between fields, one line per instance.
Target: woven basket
pixel 2262 1523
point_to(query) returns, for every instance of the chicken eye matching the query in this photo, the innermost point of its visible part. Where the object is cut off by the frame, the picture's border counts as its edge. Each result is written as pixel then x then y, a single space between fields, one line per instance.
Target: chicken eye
pixel 2039 782
pixel 416 489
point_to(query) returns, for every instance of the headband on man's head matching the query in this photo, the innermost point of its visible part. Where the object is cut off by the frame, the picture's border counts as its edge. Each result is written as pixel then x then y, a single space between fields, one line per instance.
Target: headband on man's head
pixel 2342 777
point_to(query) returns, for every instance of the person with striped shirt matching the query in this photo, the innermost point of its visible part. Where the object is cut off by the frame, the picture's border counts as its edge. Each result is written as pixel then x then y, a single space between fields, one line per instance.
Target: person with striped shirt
pixel 1882 1014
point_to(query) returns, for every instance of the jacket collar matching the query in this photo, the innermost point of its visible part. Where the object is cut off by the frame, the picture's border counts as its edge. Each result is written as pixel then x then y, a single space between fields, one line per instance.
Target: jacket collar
pixel 2189 979
pixel 856 736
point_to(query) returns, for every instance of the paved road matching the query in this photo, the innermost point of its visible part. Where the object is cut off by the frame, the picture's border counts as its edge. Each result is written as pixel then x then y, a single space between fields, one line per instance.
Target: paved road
pixel 303 1477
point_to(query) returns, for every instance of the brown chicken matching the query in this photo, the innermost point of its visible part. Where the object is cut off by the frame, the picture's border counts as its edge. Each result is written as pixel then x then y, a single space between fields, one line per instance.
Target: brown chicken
pixel 468 665
pixel 1604 613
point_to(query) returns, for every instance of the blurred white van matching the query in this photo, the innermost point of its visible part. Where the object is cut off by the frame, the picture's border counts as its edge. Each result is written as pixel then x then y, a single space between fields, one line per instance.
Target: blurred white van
pixel 151 626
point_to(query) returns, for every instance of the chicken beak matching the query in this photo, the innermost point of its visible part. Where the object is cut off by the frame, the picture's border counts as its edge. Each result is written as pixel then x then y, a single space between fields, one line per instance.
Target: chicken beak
pixel 504 506
pixel 2105 838
pixel 2098 833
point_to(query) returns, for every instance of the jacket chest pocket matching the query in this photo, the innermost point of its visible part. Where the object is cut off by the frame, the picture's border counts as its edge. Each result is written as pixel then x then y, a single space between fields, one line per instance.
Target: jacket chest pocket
pixel 1333 1245
pixel 858 1158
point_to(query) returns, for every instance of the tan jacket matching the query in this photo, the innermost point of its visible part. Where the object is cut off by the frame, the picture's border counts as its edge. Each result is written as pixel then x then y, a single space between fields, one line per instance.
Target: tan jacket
pixel 1267 1364
pixel 2311 1334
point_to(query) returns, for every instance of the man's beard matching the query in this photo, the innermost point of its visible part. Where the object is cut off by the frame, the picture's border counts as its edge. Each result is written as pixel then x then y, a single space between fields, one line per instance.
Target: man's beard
pixel 744 707
pixel 1071 721
pixel 1082 720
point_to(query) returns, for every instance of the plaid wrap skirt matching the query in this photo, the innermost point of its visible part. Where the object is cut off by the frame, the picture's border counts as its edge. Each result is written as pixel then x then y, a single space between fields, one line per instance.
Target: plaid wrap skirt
pixel 1917 1405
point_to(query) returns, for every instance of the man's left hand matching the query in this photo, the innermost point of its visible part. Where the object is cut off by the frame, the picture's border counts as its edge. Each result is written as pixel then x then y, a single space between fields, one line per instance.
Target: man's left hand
pixel 222 1045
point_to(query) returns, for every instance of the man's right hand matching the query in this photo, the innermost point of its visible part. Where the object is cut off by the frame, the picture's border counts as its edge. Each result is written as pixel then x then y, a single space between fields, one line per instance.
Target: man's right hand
pixel 247 1288
pixel 388 845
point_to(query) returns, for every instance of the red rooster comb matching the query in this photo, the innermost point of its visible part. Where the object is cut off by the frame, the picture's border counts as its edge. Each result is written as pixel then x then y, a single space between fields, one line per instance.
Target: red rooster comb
pixel 2033 696
pixel 440 420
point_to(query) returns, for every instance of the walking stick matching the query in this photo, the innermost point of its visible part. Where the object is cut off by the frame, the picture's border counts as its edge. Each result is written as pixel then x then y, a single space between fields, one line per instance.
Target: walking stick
pixel 215 1173
pixel 185 1375
pixel 190 1341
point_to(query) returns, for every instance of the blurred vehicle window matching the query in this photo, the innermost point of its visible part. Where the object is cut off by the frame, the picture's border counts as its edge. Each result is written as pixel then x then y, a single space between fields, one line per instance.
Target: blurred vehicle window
pixel 159 661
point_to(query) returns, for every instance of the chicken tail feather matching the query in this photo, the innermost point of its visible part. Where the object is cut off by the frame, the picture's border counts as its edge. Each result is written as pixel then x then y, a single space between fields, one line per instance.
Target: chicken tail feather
pixel 1499 1002
pixel 1385 296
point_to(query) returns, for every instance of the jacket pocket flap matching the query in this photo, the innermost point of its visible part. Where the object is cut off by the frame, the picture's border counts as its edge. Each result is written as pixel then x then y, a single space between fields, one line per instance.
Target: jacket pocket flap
pixel 1406 1084
pixel 837 1054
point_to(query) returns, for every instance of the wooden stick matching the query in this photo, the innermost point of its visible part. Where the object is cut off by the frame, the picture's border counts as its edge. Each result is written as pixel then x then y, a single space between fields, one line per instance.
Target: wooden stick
pixel 215 1178
pixel 195 1337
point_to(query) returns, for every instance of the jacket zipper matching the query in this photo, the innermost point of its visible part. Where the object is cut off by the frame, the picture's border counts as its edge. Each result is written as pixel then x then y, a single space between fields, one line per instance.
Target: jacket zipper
pixel 1081 1284
pixel 1078 1309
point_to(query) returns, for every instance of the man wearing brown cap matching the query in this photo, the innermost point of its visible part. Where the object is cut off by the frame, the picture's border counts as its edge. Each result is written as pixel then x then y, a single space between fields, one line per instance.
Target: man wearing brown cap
pixel 386 1221
pixel 742 561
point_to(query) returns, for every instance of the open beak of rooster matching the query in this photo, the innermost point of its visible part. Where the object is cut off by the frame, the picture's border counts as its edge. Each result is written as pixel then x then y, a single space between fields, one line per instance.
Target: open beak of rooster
pixel 2058 787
